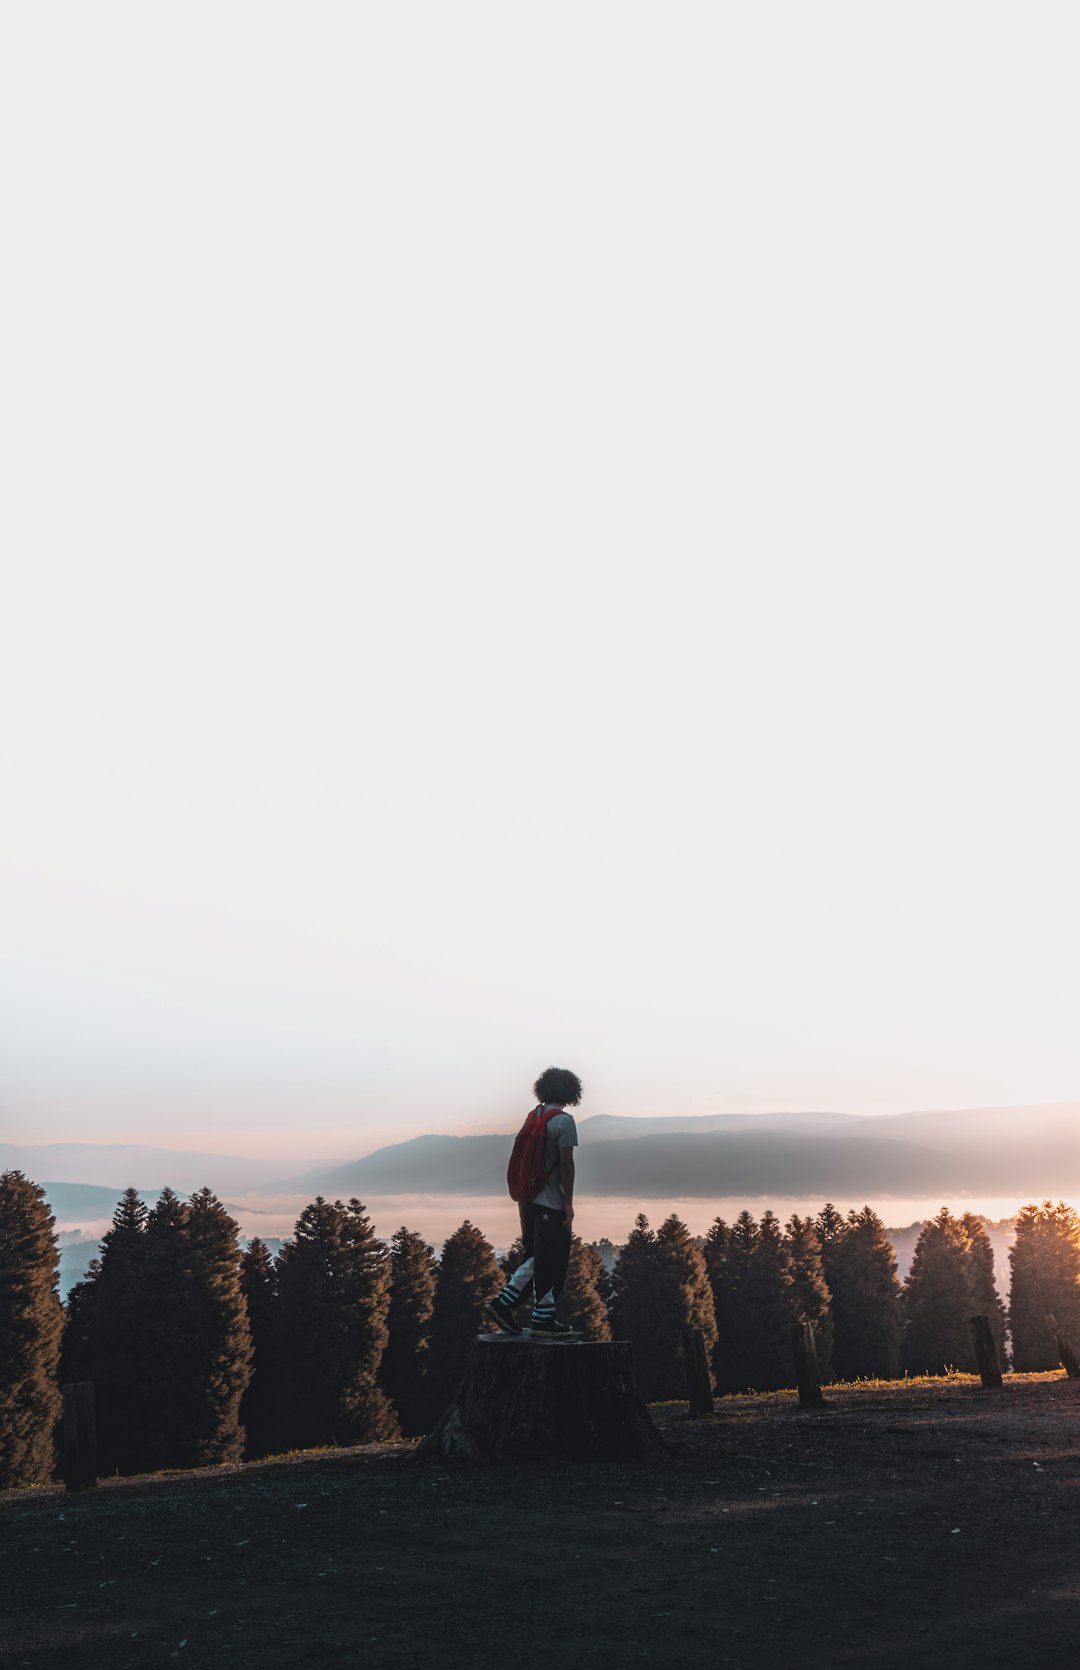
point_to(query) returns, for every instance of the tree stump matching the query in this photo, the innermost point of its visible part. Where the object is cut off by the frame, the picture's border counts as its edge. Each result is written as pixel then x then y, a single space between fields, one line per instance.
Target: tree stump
pixel 522 1400
pixel 1066 1355
pixel 696 1368
pixel 807 1377
pixel 986 1353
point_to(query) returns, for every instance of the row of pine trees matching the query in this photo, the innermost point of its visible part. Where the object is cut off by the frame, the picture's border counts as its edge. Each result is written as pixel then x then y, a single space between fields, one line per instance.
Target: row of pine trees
pixel 203 1351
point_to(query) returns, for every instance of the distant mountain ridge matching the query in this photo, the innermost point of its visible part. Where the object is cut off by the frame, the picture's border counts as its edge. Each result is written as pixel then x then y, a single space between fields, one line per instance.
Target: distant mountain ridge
pixel 1032 1151
pixel 994 1151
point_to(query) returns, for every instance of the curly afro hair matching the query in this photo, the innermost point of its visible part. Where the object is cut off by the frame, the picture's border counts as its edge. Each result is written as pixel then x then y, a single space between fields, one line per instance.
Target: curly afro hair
pixel 555 1084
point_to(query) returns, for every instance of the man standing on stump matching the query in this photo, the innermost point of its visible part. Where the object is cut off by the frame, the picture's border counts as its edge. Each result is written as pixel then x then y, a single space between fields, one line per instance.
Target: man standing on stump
pixel 541 1180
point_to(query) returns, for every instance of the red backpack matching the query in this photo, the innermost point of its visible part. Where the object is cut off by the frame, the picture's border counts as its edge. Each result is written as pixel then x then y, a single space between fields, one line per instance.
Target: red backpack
pixel 526 1173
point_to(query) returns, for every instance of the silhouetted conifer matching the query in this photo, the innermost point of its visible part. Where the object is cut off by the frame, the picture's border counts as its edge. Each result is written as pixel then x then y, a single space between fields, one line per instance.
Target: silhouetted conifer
pixel 214 1371
pixel 831 1228
pixel 1045 1263
pixel 512 1258
pixel 985 1299
pixel 259 1408
pixel 333 1298
pixel 468 1276
pixel 31 1321
pixel 813 1301
pixel 168 1318
pixel 607 1255
pixel 727 1256
pixel 715 1250
pixel 77 1344
pixel 635 1302
pixel 938 1297
pixel 582 1305
pixel 407 1358
pixel 684 1300
pixel 116 1312
pixel 760 1356
pixel 861 1272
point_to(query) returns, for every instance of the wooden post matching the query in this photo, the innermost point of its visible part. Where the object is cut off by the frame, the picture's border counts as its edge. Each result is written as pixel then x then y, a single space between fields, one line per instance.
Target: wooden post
pixel 526 1400
pixel 807 1377
pixel 986 1353
pixel 80 1436
pixel 696 1366
pixel 1069 1361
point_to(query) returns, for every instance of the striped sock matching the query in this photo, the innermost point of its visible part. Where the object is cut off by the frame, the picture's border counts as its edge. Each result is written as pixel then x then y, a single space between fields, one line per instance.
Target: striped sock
pixel 517 1286
pixel 544 1309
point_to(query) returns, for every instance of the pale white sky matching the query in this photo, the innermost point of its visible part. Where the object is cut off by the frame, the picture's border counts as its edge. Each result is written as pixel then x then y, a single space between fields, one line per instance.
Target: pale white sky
pixel 535 534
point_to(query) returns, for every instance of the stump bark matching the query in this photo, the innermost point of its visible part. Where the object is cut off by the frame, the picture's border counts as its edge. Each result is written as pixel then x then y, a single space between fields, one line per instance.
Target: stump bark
pixel 986 1354
pixel 1066 1355
pixel 522 1400
pixel 696 1369
pixel 807 1375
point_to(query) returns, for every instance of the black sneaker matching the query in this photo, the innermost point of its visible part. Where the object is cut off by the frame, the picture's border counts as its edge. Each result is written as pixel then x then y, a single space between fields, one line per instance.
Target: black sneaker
pixel 502 1316
pixel 550 1330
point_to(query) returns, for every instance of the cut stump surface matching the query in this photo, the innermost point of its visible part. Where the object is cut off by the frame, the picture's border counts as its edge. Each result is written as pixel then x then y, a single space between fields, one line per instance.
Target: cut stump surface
pixel 523 1399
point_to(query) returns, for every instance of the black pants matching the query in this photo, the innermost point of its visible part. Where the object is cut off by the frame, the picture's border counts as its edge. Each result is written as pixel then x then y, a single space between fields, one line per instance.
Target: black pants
pixel 546 1235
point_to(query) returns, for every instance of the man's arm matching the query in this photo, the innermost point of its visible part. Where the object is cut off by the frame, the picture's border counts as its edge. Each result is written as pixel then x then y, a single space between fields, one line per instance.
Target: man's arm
pixel 566 1177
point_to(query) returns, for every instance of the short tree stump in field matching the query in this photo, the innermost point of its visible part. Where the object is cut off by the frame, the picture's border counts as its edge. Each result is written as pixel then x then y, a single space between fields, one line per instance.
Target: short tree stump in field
pixel 521 1399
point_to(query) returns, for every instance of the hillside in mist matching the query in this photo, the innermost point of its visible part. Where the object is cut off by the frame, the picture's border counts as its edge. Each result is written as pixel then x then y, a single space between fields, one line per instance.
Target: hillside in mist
pixel 995 1151
pixel 1005 1152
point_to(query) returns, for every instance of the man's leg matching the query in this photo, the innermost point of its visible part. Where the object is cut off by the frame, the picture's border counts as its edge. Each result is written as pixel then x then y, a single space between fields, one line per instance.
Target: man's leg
pixel 501 1308
pixel 552 1258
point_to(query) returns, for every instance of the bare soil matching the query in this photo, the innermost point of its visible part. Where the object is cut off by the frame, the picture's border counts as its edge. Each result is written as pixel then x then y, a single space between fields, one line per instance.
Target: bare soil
pixel 924 1521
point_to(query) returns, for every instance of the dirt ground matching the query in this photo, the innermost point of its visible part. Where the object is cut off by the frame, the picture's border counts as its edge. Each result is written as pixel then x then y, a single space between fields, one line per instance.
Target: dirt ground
pixel 928 1522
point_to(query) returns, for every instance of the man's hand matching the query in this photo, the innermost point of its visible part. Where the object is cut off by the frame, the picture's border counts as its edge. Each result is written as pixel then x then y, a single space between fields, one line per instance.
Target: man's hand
pixel 568 1214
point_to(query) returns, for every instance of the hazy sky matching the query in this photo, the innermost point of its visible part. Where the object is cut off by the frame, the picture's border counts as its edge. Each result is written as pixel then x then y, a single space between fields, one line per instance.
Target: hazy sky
pixel 535 534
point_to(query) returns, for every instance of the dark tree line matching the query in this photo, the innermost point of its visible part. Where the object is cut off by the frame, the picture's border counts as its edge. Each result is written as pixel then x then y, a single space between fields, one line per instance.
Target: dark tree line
pixel 203 1352
pixel 748 1281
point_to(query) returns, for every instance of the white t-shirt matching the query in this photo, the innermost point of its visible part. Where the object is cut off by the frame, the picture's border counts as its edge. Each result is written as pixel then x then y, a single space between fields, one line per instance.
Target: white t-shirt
pixel 561 1133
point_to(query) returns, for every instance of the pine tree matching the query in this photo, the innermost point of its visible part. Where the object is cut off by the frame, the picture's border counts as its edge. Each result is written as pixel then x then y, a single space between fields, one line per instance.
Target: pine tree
pixel 715 1251
pixel 116 1310
pixel 607 1256
pixel 259 1412
pixel 334 1295
pixel 727 1255
pixel 168 1325
pixel 985 1300
pixel 1045 1262
pixel 761 1359
pixel 31 1321
pixel 813 1301
pixel 80 1315
pixel 938 1299
pixel 216 1367
pixel 407 1358
pixel 661 1285
pixel 685 1300
pixel 581 1304
pixel 635 1302
pixel 831 1229
pixel 467 1278
pixel 512 1258
pixel 861 1272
